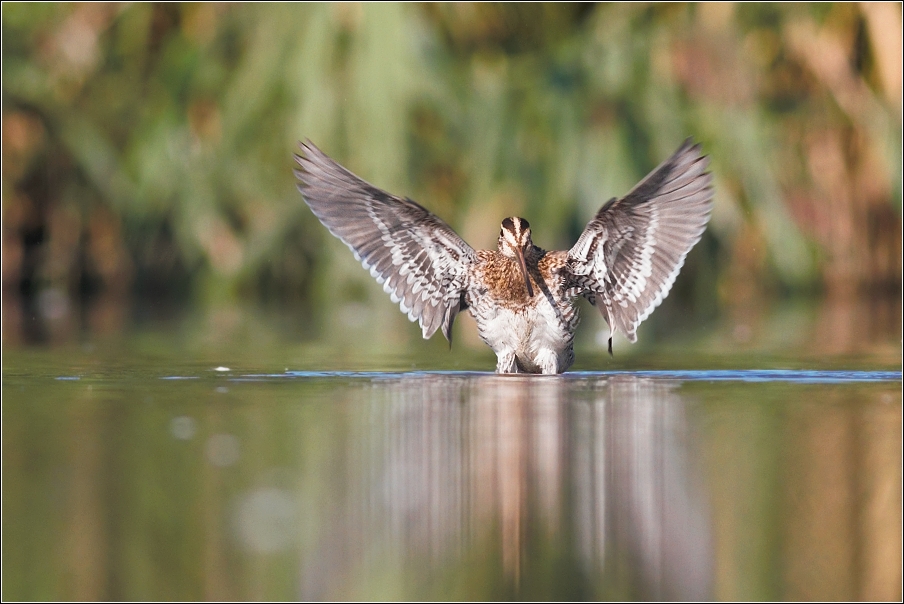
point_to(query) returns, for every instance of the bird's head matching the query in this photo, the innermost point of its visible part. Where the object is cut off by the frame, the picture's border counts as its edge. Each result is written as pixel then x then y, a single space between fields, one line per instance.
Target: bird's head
pixel 515 242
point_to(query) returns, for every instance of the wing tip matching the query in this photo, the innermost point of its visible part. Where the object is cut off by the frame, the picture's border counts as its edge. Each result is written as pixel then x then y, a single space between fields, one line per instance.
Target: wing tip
pixel 690 148
pixel 307 146
pixel 310 159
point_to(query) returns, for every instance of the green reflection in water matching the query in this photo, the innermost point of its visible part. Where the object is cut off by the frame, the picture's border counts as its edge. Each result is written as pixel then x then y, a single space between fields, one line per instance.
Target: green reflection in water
pixel 123 485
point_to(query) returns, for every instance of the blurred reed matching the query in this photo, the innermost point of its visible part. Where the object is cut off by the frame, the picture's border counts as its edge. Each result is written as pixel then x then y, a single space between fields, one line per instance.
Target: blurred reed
pixel 147 147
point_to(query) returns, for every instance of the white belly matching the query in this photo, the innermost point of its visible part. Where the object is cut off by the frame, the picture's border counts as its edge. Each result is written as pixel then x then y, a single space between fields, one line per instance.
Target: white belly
pixel 535 335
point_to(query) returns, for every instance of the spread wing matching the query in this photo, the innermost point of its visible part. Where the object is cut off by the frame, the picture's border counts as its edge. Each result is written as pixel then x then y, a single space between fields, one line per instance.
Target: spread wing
pixel 420 261
pixel 629 255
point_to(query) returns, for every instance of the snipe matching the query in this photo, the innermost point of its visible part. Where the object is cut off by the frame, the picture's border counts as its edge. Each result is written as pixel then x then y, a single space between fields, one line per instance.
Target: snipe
pixel 522 297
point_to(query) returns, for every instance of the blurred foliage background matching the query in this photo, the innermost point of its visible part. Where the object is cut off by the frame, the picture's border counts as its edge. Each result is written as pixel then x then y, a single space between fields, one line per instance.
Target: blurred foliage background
pixel 147 148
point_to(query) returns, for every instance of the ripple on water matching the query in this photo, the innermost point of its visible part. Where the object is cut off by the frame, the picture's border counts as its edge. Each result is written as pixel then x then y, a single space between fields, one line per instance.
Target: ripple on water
pixel 743 375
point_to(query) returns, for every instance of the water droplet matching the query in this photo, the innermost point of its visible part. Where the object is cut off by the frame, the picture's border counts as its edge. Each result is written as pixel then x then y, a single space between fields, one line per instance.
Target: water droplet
pixel 183 427
pixel 223 450
pixel 266 520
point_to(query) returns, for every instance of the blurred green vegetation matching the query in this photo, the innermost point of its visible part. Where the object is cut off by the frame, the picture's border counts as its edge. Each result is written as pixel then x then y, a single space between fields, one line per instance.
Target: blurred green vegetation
pixel 147 147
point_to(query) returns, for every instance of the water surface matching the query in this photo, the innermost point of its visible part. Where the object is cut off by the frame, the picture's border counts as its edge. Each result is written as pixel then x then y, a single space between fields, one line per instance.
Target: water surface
pixel 157 478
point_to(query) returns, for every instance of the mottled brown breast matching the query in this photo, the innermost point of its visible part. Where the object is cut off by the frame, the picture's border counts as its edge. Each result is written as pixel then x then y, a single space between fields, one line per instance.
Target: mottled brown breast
pixel 502 279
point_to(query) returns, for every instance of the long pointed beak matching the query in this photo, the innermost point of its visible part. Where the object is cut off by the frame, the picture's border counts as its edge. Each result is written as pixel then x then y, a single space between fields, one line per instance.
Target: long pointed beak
pixel 523 265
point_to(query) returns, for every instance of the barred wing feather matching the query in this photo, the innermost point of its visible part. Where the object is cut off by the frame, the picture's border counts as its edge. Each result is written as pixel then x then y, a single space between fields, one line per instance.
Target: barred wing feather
pixel 420 261
pixel 629 255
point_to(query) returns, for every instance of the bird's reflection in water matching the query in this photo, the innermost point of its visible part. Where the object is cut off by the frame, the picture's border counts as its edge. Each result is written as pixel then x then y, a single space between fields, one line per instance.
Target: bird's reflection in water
pixel 447 468
pixel 638 500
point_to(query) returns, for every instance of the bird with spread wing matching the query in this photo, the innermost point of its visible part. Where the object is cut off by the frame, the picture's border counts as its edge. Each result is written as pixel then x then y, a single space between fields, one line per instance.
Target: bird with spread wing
pixel 521 296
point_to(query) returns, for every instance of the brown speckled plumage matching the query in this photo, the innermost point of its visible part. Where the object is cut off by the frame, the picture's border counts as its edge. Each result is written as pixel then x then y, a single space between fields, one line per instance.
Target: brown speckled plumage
pixel 522 297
